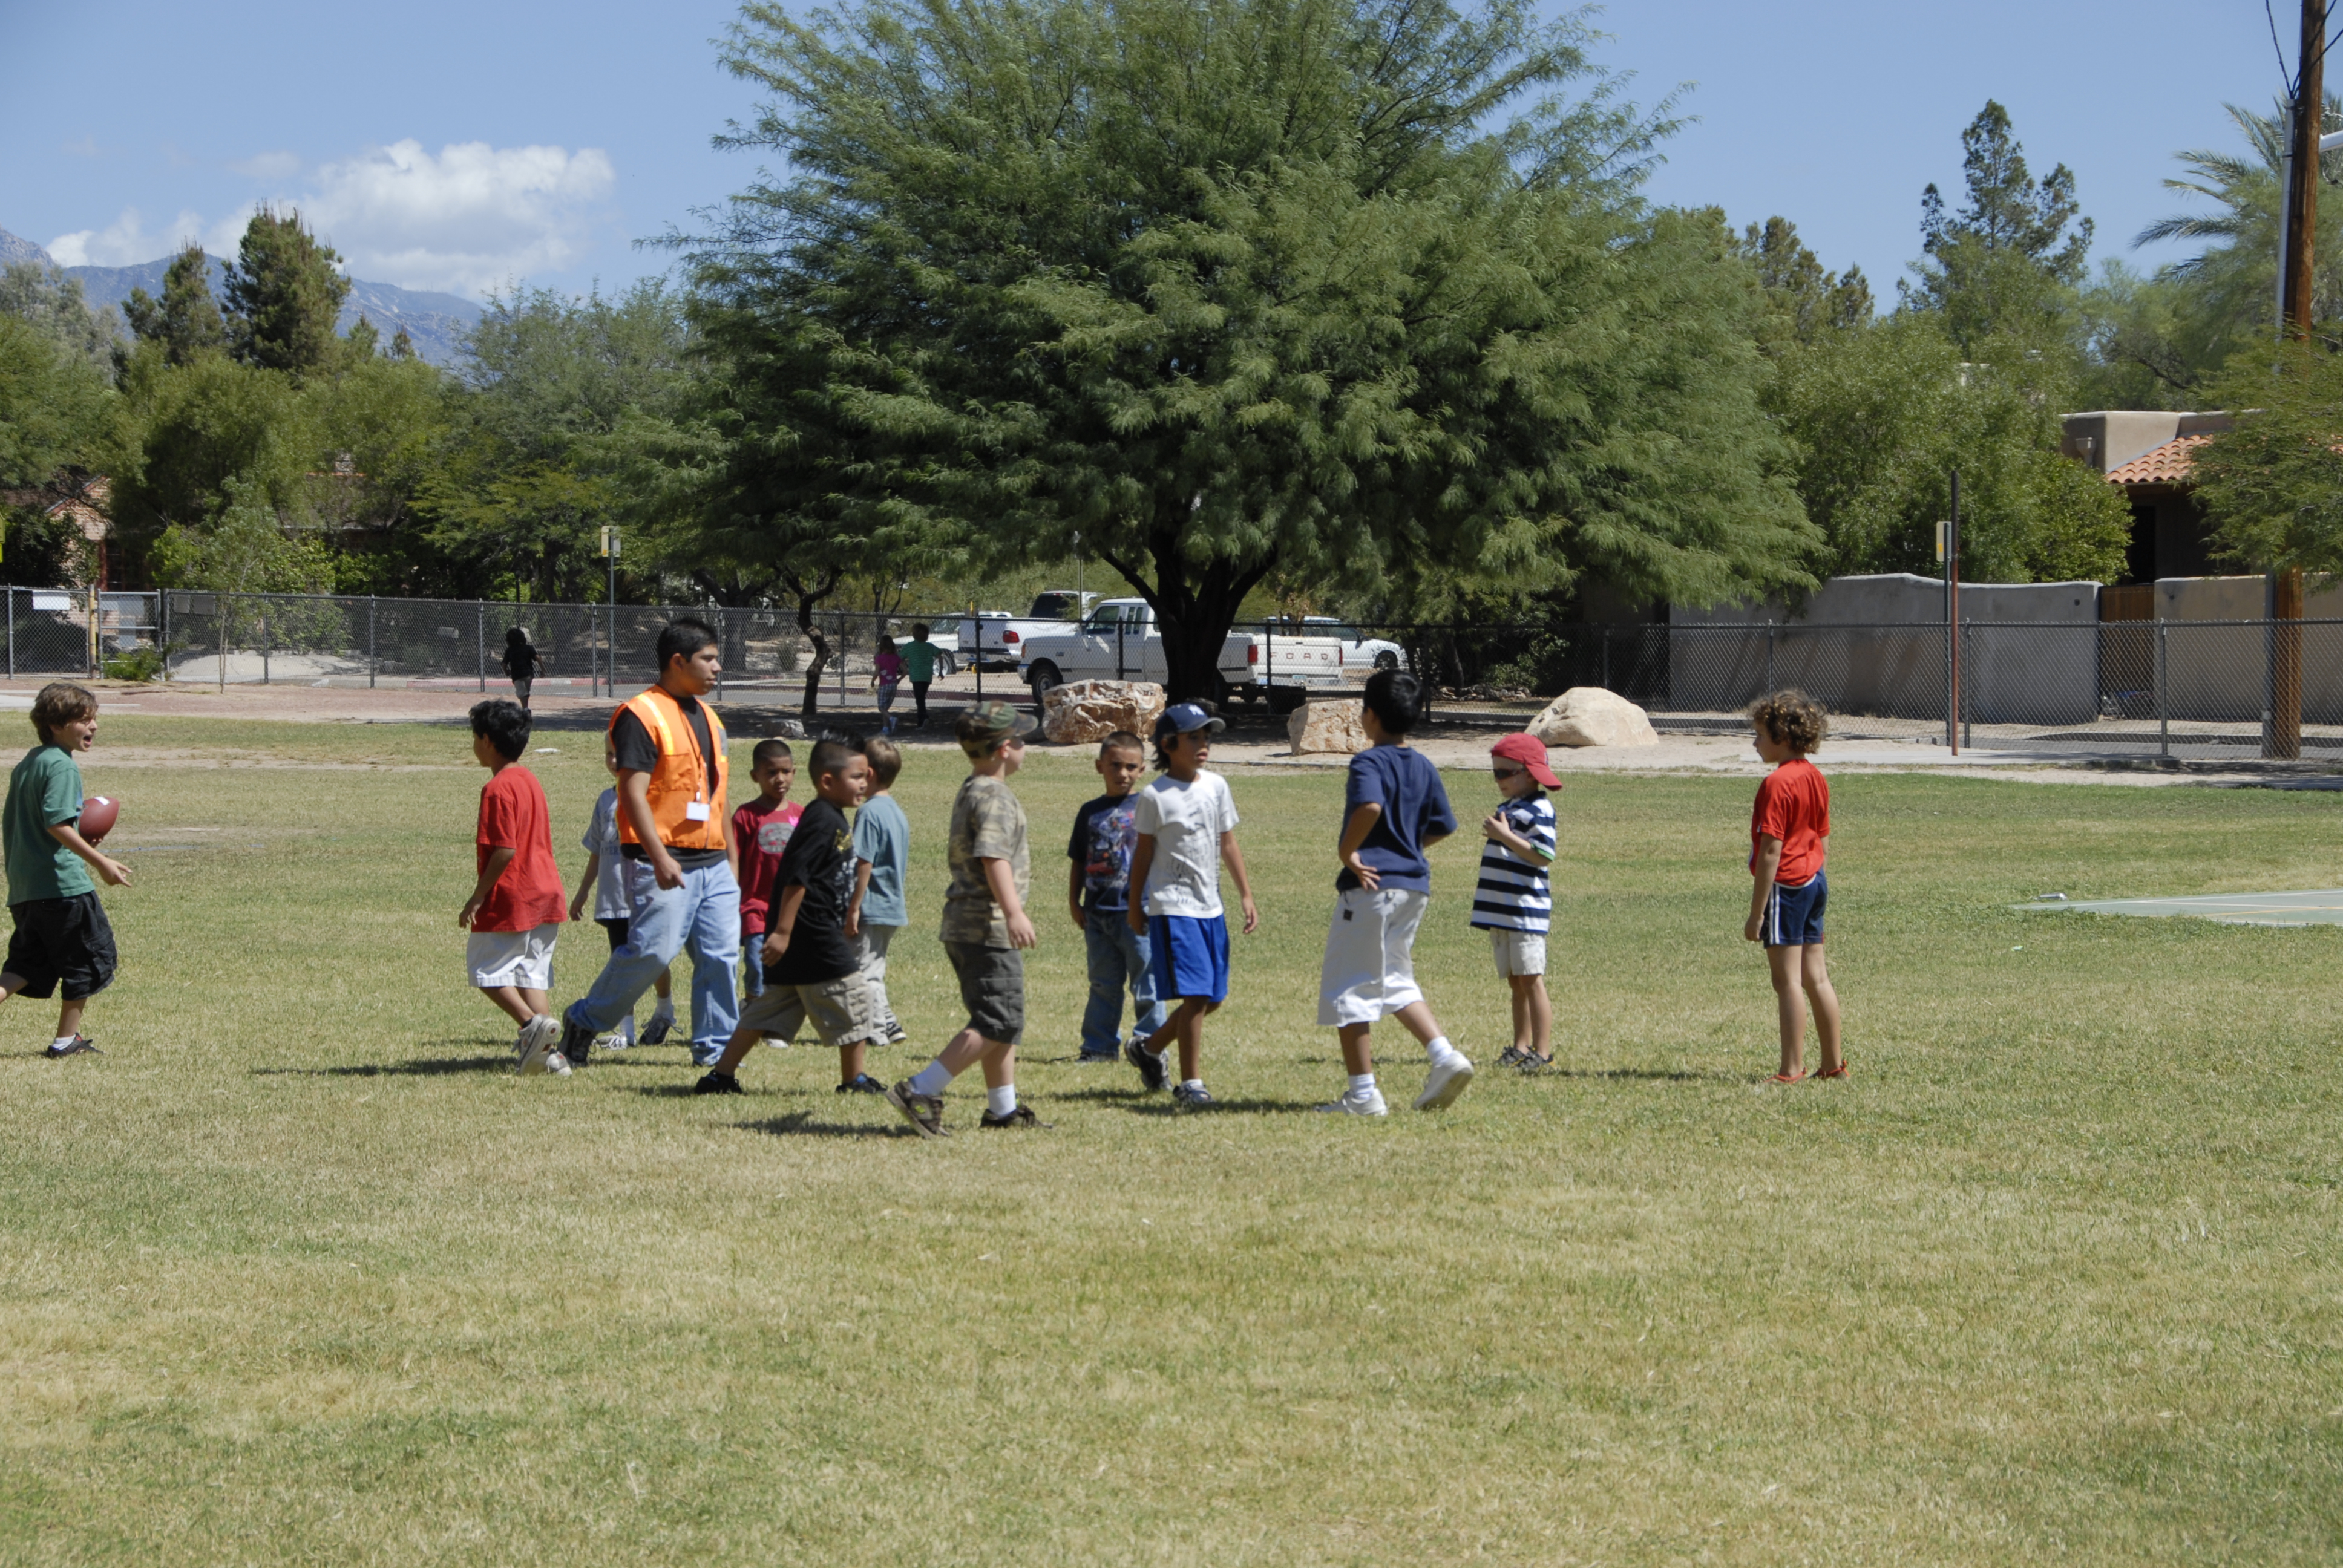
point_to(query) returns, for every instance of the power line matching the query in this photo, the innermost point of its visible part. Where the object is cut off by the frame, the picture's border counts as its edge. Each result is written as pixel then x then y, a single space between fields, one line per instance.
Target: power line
pixel 2278 49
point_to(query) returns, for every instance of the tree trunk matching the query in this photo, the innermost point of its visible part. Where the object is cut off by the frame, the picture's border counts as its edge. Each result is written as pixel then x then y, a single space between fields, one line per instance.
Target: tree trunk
pixel 1192 618
pixel 809 594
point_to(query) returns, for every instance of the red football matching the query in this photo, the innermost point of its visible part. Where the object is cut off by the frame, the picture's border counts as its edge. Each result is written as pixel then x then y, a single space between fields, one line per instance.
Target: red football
pixel 97 815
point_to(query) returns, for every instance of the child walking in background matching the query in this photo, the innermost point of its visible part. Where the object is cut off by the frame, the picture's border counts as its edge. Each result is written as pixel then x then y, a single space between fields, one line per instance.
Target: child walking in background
pixel 606 879
pixel 515 911
pixel 62 940
pixel 919 657
pixel 985 926
pixel 1514 901
pixel 1098 896
pixel 1186 823
pixel 1393 809
pixel 523 664
pixel 810 973
pixel 760 832
pixel 886 673
pixel 882 855
pixel 1789 834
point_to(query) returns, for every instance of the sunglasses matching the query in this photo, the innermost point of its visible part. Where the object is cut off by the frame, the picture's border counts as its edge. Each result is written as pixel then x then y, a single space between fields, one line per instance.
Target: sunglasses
pixel 1505 772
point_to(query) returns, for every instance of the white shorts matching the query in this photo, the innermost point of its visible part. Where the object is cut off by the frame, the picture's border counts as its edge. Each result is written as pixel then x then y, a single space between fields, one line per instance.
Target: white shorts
pixel 1370 970
pixel 1518 953
pixel 523 958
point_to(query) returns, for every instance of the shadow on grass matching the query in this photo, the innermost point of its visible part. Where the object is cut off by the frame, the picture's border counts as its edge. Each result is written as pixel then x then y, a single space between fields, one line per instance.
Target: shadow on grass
pixel 801 1124
pixel 1141 1102
pixel 1646 1075
pixel 421 1066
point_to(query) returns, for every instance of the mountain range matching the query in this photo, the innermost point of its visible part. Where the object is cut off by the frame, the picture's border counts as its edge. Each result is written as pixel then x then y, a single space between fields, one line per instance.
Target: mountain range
pixel 434 323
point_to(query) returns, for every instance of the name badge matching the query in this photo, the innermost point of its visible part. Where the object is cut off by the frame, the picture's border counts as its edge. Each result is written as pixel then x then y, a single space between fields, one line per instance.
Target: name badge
pixel 695 811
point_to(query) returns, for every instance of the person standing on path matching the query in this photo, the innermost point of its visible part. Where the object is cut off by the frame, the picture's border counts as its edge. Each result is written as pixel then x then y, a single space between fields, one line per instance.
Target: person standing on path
pixel 919 657
pixel 674 835
pixel 523 664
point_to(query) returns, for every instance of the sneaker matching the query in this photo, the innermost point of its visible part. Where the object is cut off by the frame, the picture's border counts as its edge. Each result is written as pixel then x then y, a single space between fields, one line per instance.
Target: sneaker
pixel 1357 1102
pixel 1444 1084
pixel 535 1046
pixel 923 1112
pixel 863 1084
pixel 895 1035
pixel 577 1040
pixel 719 1083
pixel 1022 1117
pixel 1533 1064
pixel 1197 1098
pixel 1516 1055
pixel 557 1065
pixel 619 1039
pixel 79 1045
pixel 662 1022
pixel 1151 1071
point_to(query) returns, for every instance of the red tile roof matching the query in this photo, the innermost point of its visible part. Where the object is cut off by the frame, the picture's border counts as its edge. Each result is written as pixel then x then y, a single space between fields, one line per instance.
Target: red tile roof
pixel 2168 464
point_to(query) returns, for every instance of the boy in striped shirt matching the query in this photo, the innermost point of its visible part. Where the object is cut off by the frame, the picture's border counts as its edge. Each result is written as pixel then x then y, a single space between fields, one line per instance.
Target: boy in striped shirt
pixel 1514 901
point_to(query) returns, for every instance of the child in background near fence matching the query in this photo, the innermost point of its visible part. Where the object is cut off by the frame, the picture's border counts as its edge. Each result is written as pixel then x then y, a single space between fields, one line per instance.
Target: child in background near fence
pixel 760 832
pixel 1514 901
pixel 62 940
pixel 606 879
pixel 883 855
pixel 919 657
pixel 886 673
pixel 523 664
pixel 1395 808
pixel 1789 834
pixel 1187 825
pixel 1098 896
pixel 513 914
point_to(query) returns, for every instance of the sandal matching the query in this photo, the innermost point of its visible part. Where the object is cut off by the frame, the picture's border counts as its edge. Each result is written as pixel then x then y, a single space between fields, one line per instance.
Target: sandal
pixel 1787 1077
pixel 1532 1063
pixel 1514 1057
pixel 1838 1071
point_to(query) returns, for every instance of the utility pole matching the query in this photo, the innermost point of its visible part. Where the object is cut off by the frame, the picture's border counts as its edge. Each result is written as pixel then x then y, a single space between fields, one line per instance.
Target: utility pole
pixel 2282 734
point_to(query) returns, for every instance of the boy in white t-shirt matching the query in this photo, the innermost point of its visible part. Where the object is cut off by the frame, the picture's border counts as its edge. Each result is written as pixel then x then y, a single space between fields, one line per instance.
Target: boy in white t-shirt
pixel 606 879
pixel 1187 823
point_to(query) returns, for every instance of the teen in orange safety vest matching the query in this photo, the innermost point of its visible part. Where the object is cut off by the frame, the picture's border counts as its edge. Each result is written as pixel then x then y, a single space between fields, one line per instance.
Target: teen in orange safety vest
pixel 674 823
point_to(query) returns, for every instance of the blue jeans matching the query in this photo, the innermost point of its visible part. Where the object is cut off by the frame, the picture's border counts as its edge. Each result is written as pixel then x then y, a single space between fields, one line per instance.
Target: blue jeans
pixel 701 917
pixel 753 969
pixel 1118 957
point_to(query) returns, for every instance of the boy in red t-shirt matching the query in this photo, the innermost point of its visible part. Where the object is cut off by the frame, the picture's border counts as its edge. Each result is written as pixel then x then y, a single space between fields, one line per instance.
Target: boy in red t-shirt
pixel 761 831
pixel 516 909
pixel 1789 833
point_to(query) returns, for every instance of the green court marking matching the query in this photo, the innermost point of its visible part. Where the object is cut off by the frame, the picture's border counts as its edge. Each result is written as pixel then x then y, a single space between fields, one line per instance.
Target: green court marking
pixel 2312 907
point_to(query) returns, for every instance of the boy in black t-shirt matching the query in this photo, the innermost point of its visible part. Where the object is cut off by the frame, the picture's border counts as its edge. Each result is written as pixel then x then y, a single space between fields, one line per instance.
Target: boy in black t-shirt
pixel 812 972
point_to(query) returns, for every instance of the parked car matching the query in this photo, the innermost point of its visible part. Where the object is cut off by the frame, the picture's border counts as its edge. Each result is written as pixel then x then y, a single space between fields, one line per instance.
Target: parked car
pixel 1360 651
pixel 994 635
pixel 1120 640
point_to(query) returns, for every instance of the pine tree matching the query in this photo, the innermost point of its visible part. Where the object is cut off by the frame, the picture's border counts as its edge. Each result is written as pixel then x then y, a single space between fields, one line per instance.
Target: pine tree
pixel 187 320
pixel 1806 300
pixel 284 293
pixel 2004 264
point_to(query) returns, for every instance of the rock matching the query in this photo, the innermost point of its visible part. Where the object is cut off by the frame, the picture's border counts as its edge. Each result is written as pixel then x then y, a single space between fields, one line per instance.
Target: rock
pixel 1326 726
pixel 1089 710
pixel 786 729
pixel 1590 716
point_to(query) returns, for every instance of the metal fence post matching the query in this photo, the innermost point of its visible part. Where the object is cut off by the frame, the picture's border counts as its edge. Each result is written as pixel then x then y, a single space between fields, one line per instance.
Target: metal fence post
pixel 1769 665
pixel 373 664
pixel 268 645
pixel 11 634
pixel 1968 651
pixel 480 641
pixel 2163 714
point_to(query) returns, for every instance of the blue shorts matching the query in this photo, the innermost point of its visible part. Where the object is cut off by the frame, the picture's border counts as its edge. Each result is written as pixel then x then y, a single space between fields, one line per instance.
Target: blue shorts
pixel 1793 916
pixel 1189 957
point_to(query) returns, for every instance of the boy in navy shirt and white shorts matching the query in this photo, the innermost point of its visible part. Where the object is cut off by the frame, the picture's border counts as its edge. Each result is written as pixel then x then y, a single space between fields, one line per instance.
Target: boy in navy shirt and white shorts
pixel 1393 809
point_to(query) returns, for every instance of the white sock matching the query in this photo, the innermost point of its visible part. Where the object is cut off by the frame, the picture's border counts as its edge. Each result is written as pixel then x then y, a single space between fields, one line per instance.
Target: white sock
pixel 62 1040
pixel 1000 1101
pixel 1437 1050
pixel 931 1080
pixel 626 1028
pixel 1192 1083
pixel 1361 1082
pixel 666 1006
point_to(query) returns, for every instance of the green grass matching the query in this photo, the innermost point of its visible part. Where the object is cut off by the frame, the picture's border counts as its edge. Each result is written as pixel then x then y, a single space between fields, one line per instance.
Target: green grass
pixel 299 1271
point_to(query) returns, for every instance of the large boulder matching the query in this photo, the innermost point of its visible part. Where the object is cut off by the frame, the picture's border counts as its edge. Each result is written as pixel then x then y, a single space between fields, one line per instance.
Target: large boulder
pixel 1089 710
pixel 1590 716
pixel 1326 726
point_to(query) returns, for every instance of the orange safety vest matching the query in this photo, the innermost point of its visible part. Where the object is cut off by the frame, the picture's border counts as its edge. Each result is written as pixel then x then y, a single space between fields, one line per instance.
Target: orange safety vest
pixel 681 776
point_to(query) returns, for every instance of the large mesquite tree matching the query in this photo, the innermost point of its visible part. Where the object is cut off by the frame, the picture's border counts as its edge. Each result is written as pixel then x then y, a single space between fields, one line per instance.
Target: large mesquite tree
pixel 1345 288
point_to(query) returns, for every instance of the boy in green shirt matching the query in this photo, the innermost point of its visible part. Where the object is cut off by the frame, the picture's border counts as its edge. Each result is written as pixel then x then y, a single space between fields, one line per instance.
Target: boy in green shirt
pixel 919 657
pixel 61 938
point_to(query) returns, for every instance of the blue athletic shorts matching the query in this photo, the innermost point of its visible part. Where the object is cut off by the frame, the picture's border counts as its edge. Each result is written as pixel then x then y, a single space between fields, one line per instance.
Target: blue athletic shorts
pixel 1190 956
pixel 1793 916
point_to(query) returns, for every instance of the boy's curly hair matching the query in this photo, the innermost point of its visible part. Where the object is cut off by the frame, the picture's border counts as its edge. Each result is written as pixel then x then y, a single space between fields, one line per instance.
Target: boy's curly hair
pixel 60 704
pixel 1790 715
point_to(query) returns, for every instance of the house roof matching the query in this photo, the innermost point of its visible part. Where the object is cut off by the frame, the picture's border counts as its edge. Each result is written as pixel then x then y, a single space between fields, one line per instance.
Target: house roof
pixel 2170 464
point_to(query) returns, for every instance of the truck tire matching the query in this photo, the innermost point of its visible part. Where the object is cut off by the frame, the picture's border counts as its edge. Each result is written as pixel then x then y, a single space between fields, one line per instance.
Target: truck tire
pixel 1284 700
pixel 1044 679
pixel 946 665
pixel 1387 659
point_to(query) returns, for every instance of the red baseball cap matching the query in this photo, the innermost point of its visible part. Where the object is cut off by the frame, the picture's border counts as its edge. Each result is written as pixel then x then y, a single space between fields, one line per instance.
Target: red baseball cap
pixel 1530 752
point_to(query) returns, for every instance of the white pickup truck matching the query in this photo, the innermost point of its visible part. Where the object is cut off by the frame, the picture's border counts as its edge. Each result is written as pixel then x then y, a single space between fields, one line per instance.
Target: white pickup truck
pixel 1119 641
pixel 992 637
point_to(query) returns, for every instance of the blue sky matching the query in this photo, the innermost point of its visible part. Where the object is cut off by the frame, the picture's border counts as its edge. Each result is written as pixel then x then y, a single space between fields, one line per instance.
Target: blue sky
pixel 459 146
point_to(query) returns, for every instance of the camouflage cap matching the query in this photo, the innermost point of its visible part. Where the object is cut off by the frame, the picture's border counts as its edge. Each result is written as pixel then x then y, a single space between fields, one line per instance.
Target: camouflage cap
pixel 981 729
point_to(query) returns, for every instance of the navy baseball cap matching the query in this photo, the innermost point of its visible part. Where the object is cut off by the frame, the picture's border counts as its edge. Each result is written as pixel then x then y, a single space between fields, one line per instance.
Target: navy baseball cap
pixel 1186 718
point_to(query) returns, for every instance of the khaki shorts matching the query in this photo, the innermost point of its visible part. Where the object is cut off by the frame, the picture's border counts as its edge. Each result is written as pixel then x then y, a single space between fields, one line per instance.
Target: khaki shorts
pixel 1518 953
pixel 992 989
pixel 839 1011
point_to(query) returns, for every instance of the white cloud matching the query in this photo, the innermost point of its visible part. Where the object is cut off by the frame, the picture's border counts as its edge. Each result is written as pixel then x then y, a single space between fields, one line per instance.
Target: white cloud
pixel 467 220
pixel 269 166
pixel 124 242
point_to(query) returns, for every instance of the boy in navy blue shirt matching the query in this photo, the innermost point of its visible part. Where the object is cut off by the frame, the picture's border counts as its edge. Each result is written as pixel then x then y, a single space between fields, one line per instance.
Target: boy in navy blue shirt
pixel 1393 809
pixel 1098 896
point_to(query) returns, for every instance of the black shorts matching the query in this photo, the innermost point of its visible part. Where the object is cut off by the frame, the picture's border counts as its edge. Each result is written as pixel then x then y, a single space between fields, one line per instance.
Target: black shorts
pixel 616 930
pixel 992 989
pixel 61 941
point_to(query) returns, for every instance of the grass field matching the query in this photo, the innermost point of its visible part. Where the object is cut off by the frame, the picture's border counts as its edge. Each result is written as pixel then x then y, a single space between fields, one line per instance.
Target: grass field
pixel 298 1270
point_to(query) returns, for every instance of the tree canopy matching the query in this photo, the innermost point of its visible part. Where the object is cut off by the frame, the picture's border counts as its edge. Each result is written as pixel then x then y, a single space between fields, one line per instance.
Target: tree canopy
pixel 285 294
